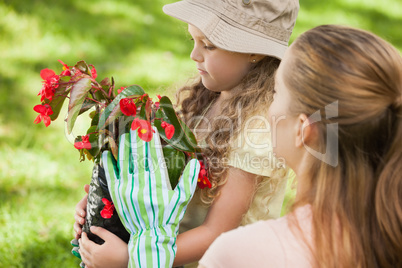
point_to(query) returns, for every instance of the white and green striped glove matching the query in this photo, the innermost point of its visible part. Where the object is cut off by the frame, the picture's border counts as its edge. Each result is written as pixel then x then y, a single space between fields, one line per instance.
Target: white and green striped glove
pixel 149 209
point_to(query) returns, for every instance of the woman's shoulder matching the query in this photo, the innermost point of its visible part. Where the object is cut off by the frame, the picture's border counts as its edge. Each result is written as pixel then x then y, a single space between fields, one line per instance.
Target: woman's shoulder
pixel 256 245
pixel 279 229
pixel 248 246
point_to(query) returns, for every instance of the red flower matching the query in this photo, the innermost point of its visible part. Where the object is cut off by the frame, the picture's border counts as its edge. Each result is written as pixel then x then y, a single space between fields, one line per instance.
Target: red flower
pixel 145 130
pixel 84 144
pixel 127 107
pixel 50 83
pixel 121 89
pixel 108 209
pixel 169 129
pixel 66 69
pixel 44 111
pixel 77 72
pixel 66 73
pixel 93 72
pixel 157 104
pixel 143 96
pixel 203 177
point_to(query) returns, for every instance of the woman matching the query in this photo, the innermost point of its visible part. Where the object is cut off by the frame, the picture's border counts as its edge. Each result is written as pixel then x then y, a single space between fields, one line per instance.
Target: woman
pixel 340 106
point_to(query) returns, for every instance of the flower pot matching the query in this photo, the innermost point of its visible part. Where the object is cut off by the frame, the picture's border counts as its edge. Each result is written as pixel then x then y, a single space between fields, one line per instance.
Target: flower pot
pixel 97 190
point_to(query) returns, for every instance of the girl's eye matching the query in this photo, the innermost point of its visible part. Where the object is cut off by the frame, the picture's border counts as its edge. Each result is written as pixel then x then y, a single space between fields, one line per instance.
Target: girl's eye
pixel 209 47
pixel 206 46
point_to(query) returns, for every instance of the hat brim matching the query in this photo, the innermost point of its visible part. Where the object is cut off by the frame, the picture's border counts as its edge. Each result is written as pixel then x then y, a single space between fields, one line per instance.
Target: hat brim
pixel 222 34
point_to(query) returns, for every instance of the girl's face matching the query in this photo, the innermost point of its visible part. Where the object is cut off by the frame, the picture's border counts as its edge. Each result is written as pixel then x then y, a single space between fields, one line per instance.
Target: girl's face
pixel 220 70
pixel 283 124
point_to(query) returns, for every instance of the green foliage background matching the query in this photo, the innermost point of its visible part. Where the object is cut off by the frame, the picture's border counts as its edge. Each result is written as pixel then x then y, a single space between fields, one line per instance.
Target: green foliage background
pixel 41 178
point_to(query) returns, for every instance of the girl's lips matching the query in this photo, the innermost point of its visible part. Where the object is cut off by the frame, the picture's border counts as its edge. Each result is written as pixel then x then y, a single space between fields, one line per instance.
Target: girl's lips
pixel 201 71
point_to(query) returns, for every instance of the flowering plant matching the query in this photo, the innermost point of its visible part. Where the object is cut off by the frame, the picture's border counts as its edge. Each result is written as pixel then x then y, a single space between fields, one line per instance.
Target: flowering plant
pixel 112 112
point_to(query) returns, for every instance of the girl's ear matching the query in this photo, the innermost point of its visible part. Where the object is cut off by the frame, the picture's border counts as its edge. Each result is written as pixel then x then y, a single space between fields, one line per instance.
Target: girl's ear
pixel 305 131
pixel 254 58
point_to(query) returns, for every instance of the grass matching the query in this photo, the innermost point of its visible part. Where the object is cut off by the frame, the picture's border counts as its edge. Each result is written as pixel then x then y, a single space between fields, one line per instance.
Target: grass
pixel 41 178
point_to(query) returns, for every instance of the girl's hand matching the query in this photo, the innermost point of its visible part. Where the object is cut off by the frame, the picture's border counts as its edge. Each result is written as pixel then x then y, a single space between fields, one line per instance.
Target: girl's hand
pixel 80 212
pixel 112 253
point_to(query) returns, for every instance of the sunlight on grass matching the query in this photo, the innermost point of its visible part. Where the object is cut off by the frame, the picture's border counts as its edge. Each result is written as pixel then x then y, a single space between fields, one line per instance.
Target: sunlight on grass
pixel 390 7
pixel 43 168
pixel 112 8
pixel 37 198
pixel 381 17
pixel 162 67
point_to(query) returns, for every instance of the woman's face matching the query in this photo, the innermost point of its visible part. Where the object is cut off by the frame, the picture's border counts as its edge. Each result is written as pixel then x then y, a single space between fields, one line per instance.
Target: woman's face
pixel 220 70
pixel 283 124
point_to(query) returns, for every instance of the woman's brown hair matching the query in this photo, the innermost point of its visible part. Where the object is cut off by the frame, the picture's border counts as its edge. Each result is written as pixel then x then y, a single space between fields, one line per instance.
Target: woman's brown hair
pixel 356 204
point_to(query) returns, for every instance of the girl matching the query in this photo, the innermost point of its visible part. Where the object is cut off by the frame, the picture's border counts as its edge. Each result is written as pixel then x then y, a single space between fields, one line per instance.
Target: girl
pixel 348 213
pixel 237 48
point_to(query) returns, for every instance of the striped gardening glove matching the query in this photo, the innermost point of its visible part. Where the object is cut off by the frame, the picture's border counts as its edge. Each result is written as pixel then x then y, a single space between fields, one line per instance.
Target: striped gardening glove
pixel 149 209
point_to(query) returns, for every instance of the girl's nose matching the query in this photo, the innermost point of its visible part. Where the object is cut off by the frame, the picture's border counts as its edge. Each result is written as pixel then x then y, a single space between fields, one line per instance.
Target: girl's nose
pixel 195 55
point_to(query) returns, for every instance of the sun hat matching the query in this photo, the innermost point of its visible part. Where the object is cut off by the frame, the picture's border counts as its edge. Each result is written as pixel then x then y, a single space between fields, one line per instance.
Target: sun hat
pixel 245 26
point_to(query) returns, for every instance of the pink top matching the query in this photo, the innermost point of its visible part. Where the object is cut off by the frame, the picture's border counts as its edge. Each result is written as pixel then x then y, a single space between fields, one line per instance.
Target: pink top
pixel 262 244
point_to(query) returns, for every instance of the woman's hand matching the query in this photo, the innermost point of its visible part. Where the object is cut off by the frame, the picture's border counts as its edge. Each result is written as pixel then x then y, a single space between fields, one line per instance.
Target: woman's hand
pixel 112 253
pixel 80 212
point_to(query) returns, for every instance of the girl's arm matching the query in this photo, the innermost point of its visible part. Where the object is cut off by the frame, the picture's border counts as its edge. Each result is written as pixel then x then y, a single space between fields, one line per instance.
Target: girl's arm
pixel 225 214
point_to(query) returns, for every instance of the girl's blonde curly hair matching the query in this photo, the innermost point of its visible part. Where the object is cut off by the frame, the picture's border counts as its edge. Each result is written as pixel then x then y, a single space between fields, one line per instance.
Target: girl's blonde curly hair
pixel 255 98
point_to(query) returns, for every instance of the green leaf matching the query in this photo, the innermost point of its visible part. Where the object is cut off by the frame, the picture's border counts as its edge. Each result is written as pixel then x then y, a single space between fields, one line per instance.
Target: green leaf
pixel 110 111
pixel 183 139
pixel 175 163
pixel 93 133
pixel 124 125
pixel 57 101
pixel 77 96
pixel 105 83
pixel 143 113
pixel 114 147
pixel 88 154
pixel 115 113
pixel 93 139
pixel 94 115
pixel 83 67
pixel 82 155
pixel 86 106
pixel 65 78
pixel 148 110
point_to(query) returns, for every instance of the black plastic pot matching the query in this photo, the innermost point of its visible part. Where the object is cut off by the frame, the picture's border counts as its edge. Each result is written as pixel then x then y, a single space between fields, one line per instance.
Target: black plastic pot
pixel 97 190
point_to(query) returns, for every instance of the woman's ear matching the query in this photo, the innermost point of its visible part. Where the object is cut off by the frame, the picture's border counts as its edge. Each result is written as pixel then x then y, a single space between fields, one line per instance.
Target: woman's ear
pixel 254 58
pixel 305 131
